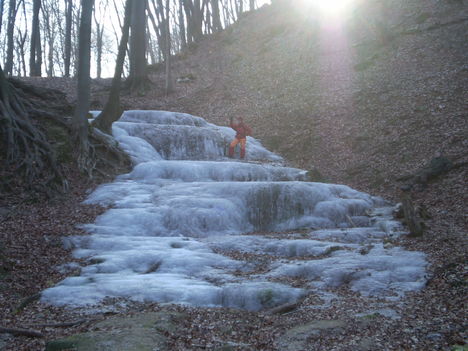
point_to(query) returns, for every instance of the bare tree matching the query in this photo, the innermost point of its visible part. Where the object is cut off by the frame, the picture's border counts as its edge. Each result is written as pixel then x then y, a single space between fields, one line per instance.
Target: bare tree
pixel 158 23
pixel 20 45
pixel 183 38
pixel 80 119
pixel 35 53
pixel 169 84
pixel 68 34
pixel 138 76
pixel 2 3
pixel 194 10
pixel 50 31
pixel 252 5
pixel 216 15
pixel 12 10
pixel 20 52
pixel 112 110
pixel 99 33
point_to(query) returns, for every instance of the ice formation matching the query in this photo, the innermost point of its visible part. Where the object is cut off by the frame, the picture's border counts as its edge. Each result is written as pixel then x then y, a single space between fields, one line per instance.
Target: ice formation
pixel 173 220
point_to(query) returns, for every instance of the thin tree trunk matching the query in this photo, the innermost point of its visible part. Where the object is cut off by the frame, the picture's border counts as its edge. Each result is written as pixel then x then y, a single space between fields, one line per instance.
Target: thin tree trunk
pixel 252 5
pixel 197 17
pixel 216 17
pixel 138 76
pixel 159 27
pixel 226 15
pixel 2 3
pixel 99 34
pixel 183 38
pixel 49 34
pixel 68 30
pixel 20 43
pixel 188 6
pixel 208 22
pixel 150 49
pixel 10 32
pixel 80 119
pixel 169 84
pixel 112 110
pixel 35 54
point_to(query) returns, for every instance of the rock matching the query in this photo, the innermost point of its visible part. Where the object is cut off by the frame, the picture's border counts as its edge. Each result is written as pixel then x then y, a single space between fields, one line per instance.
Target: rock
pixel 141 332
pixel 298 338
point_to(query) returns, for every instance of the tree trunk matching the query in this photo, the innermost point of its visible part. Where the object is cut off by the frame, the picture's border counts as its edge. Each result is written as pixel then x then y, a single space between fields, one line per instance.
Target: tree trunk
pixel 49 35
pixel 68 31
pixel 161 17
pixel 112 110
pixel 80 117
pixel 138 76
pixel 183 38
pixel 99 35
pixel 20 43
pixel 197 19
pixel 35 54
pixel 252 5
pixel 412 219
pixel 169 84
pixel 10 32
pixel 208 22
pixel 2 3
pixel 194 14
pixel 216 16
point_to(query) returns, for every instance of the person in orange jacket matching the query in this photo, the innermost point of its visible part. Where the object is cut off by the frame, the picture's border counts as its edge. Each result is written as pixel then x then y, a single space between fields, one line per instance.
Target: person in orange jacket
pixel 242 130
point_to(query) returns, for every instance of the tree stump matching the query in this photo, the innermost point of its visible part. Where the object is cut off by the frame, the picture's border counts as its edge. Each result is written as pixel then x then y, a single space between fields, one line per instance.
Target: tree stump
pixel 412 219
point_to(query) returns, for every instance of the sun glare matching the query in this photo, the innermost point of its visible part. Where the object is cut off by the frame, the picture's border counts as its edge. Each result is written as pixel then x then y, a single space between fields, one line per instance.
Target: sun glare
pixel 331 7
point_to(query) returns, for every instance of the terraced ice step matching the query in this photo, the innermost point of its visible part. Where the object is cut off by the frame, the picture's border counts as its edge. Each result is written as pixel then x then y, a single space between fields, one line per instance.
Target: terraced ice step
pixel 180 227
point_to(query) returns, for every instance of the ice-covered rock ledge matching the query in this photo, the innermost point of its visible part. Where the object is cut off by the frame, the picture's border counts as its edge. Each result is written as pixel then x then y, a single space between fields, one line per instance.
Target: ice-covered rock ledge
pixel 174 219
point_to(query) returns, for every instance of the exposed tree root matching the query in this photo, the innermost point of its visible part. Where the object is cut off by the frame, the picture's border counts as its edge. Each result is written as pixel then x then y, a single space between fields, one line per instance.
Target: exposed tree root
pixel 22 332
pixel 27 158
pixel 27 153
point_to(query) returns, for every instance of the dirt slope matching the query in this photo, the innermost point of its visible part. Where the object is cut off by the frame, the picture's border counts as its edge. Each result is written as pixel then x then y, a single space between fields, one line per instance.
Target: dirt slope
pixel 361 109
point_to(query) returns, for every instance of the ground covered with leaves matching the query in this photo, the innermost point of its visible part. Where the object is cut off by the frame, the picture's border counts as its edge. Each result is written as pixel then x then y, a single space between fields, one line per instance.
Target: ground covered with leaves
pixel 367 117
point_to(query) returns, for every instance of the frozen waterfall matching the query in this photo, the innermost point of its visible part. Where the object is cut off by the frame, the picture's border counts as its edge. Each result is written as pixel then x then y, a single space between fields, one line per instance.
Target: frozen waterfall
pixel 175 222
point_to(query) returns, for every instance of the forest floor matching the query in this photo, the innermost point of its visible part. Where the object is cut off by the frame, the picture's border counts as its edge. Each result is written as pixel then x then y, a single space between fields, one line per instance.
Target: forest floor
pixel 332 128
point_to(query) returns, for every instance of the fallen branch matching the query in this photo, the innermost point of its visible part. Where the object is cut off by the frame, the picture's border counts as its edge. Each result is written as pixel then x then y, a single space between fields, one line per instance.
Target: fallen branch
pixel 285 308
pixel 21 332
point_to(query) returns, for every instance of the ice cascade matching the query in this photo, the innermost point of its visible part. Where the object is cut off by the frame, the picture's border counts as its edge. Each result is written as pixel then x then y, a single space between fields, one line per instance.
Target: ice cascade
pixel 178 224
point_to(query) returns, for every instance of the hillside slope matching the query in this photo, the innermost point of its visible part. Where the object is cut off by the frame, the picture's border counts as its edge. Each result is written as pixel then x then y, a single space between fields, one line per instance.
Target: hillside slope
pixel 342 100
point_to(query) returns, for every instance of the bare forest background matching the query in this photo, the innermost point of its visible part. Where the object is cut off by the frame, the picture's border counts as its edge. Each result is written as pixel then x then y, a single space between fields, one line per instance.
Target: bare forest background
pixel 40 37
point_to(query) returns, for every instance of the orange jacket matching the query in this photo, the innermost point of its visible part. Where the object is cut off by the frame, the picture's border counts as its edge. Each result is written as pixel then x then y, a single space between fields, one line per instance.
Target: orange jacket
pixel 242 129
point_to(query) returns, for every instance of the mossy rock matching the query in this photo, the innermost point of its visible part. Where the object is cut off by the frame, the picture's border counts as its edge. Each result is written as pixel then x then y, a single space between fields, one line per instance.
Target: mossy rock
pixel 141 332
